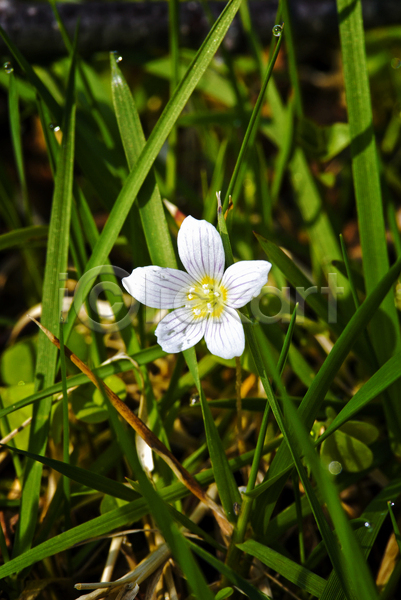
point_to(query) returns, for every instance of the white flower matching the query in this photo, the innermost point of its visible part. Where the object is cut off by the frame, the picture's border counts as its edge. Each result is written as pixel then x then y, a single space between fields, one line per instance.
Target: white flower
pixel 205 298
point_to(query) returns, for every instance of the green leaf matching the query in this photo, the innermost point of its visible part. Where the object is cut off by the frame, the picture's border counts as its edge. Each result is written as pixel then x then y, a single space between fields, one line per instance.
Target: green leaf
pixel 352 454
pixel 88 403
pixel 18 363
pixel 9 397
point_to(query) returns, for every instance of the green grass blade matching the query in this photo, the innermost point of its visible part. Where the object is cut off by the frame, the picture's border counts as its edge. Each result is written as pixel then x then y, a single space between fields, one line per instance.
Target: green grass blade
pixel 385 329
pixel 286 567
pixel 17 142
pixel 374 515
pixel 149 200
pixel 83 476
pixel 173 536
pixel 225 481
pixel 21 237
pixel 252 126
pixel 57 254
pixel 250 591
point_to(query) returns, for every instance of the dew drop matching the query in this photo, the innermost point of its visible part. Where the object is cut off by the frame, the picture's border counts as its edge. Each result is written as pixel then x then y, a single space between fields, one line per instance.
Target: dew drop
pixel 335 467
pixel 396 63
pixel 119 59
pixel 368 526
pixel 391 503
pixel 236 508
pixel 8 67
pixel 277 30
pixel 194 399
pixel 54 127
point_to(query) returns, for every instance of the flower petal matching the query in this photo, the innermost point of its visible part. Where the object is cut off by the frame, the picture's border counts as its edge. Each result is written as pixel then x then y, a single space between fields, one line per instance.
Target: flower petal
pixel 201 249
pixel 244 281
pixel 158 287
pixel 224 335
pixel 180 330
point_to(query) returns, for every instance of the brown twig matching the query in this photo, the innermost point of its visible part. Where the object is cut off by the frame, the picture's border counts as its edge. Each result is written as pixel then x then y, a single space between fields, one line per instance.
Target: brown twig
pixel 146 434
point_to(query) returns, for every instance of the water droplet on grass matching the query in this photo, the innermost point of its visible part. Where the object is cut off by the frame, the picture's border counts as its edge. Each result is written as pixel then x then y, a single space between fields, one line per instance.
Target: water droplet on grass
pixel 277 30
pixel 8 67
pixel 54 127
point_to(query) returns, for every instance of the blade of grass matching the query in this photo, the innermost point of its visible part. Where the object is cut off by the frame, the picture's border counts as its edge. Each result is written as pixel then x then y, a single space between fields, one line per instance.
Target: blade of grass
pixel 252 126
pixel 66 429
pixel 226 485
pixel 249 590
pixel 174 538
pixel 56 263
pixel 149 200
pixel 286 567
pixel 83 476
pixel 15 126
pixel 385 330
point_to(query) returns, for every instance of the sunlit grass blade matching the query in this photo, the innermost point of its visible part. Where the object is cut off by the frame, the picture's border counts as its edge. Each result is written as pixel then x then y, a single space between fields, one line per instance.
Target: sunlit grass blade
pixel 385 328
pixel 149 200
pixel 303 285
pixel 251 129
pixel 56 263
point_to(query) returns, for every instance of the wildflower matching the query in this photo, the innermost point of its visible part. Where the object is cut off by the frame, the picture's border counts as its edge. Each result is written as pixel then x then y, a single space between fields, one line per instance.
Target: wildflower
pixel 205 298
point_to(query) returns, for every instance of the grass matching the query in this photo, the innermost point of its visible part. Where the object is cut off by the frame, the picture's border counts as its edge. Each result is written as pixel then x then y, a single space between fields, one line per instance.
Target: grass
pixel 296 445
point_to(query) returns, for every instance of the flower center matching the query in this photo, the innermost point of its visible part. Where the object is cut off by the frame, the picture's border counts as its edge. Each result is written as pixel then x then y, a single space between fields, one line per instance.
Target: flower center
pixel 206 298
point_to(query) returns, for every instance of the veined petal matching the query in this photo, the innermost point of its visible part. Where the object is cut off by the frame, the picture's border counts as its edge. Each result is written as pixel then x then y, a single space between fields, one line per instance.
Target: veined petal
pixel 224 335
pixel 244 281
pixel 180 330
pixel 201 249
pixel 158 287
